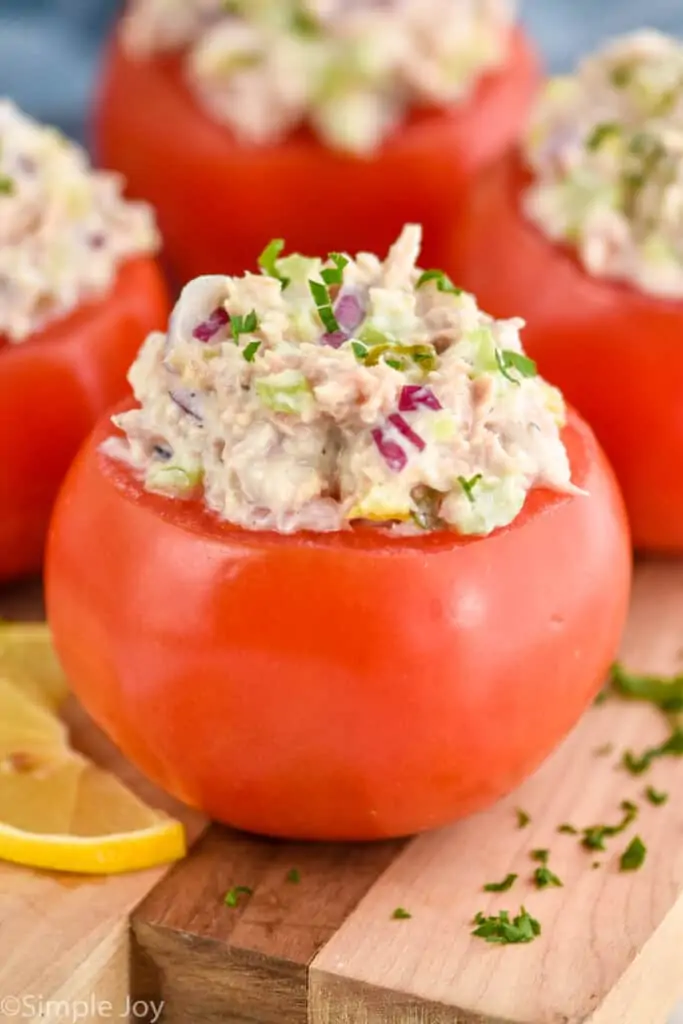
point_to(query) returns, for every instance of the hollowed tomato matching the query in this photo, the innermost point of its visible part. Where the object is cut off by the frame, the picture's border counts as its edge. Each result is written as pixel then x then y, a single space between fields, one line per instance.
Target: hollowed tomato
pixel 220 201
pixel 616 353
pixel 335 686
pixel 53 387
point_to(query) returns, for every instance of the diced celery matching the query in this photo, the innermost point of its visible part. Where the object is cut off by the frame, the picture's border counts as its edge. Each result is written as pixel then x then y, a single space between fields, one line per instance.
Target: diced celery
pixel 286 392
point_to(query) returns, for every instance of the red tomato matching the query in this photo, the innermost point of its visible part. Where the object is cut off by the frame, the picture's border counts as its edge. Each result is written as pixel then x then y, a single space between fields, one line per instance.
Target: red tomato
pixel 335 686
pixel 616 353
pixel 52 389
pixel 219 202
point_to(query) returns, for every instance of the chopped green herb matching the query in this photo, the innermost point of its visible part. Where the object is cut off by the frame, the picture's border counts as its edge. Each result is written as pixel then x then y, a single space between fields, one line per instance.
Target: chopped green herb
pixel 7 185
pixel 294 876
pixel 503 886
pixel 509 360
pixel 335 274
pixel 469 485
pixel 267 261
pixel 633 856
pixel 442 281
pixel 500 929
pixel 523 818
pixel 656 797
pixel 602 131
pixel 605 750
pixel 243 324
pixel 637 764
pixel 232 896
pixel 360 350
pixel 568 830
pixel 250 350
pixel 401 915
pixel 602 696
pixel 395 364
pixel 321 297
pixel 543 878
pixel 664 692
pixel 540 855
pixel 594 836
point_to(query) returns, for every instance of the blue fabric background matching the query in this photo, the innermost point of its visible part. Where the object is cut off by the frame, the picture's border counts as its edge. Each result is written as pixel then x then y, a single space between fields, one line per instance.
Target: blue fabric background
pixel 49 48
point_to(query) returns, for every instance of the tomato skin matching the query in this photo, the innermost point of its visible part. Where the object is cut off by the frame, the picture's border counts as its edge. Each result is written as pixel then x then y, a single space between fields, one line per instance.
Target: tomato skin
pixel 53 387
pixel 616 353
pixel 334 686
pixel 219 202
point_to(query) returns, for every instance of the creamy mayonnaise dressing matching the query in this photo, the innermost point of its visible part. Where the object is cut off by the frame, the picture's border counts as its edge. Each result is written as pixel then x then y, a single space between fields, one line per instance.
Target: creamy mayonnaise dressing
pixel 352 69
pixel 319 393
pixel 606 149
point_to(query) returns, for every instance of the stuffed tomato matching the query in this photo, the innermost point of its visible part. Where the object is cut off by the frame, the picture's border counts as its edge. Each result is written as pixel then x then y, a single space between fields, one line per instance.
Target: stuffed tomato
pixel 588 222
pixel 79 291
pixel 329 123
pixel 362 572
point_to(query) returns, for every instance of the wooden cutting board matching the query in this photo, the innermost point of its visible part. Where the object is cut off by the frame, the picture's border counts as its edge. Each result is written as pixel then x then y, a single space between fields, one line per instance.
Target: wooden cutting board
pixel 327 950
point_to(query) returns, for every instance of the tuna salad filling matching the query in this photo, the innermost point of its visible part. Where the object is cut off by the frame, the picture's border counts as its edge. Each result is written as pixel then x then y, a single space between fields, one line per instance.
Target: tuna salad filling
pixel 321 393
pixel 64 228
pixel 351 69
pixel 606 149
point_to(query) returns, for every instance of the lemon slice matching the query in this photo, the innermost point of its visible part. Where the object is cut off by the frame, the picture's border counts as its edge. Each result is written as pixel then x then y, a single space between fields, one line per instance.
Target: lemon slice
pixel 27 657
pixel 60 812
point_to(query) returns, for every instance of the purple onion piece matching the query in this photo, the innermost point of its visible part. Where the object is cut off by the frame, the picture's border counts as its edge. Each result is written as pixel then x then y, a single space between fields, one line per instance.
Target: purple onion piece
pixel 404 428
pixel 349 311
pixel 208 328
pixel 415 395
pixel 188 401
pixel 335 339
pixel 391 451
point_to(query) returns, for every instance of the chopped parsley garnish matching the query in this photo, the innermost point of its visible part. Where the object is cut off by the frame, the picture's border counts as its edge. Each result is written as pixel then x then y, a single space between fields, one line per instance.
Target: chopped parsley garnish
pixel 523 818
pixel 250 350
pixel 633 856
pixel 243 324
pixel 503 886
pixel 656 797
pixel 442 281
pixel 637 764
pixel 323 301
pixel 602 696
pixel 395 364
pixel 500 929
pixel 232 896
pixel 400 914
pixel 267 261
pixel 594 836
pixel 334 275
pixel 540 855
pixel 665 693
pixel 508 360
pixel 469 485
pixel 544 877
pixel 360 350
pixel 7 185
pixel 567 829
pixel 294 876
pixel 602 131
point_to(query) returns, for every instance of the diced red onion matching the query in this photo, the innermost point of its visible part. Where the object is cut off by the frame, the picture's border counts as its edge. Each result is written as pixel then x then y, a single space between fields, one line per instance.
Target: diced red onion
pixel 349 314
pixel 404 428
pixel 415 395
pixel 390 450
pixel 208 328
pixel 335 339
pixel 188 401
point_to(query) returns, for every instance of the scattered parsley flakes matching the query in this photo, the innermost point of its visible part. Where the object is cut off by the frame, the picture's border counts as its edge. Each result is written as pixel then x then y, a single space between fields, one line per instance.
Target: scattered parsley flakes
pixel 637 764
pixel 442 281
pixel 401 914
pixel 244 324
pixel 232 896
pixel 323 301
pixel 662 691
pixel 500 929
pixel 509 360
pixel 601 697
pixel 469 485
pixel 523 819
pixel 633 856
pixel 594 836
pixel 267 261
pixel 360 350
pixel 334 275
pixel 7 185
pixel 503 886
pixel 250 350
pixel 656 797
pixel 601 132
pixel 293 876
pixel 567 829
pixel 544 877
pixel 540 855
